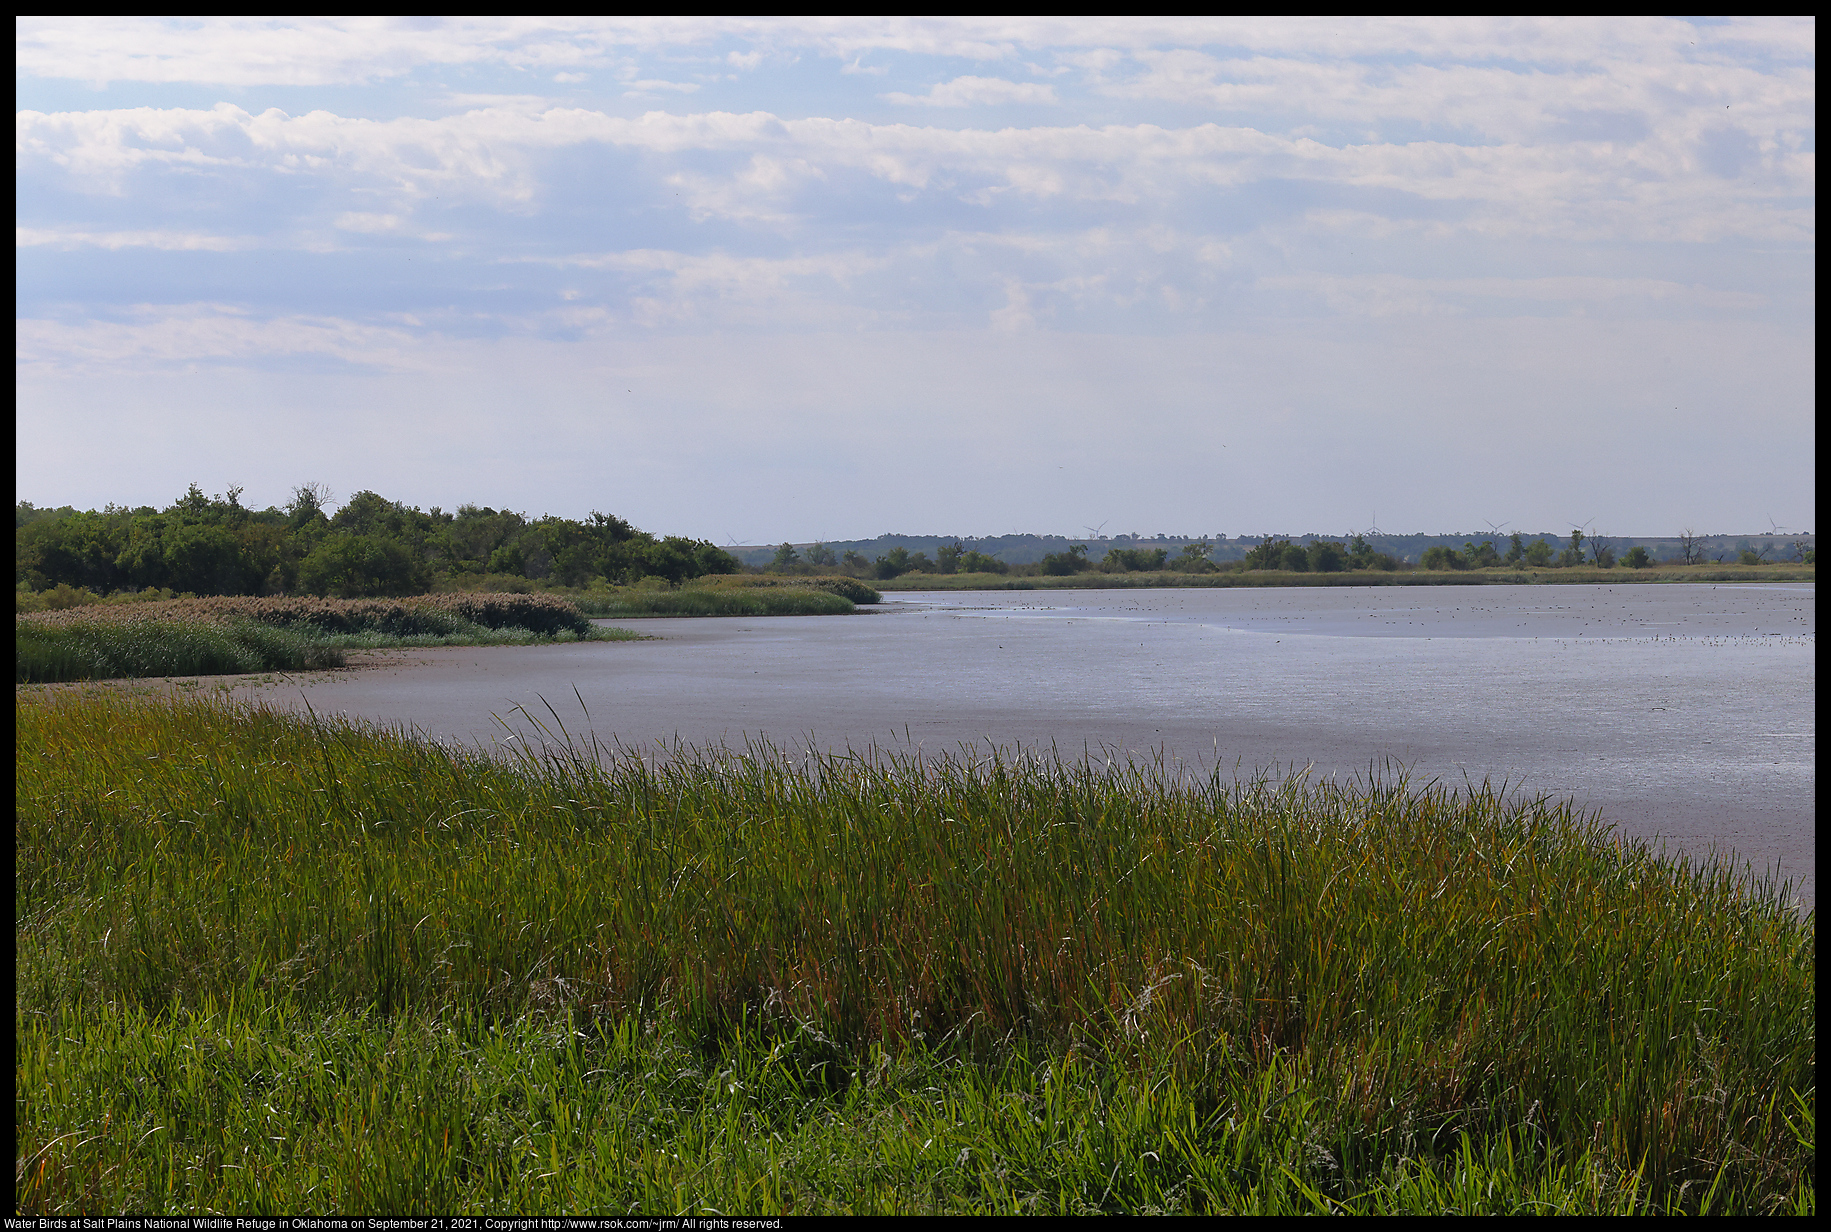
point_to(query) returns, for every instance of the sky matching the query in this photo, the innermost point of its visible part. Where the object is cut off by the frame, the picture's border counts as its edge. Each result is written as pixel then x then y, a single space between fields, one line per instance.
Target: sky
pixel 753 280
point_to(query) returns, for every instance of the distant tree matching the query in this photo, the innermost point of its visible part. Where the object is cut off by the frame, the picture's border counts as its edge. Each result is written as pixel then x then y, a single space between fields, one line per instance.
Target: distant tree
pixel 852 560
pixel 1481 555
pixel 898 561
pixel 307 505
pixel 1572 556
pixel 1799 548
pixel 1326 556
pixel 1442 556
pixel 1637 558
pixel 1749 556
pixel 979 562
pixel 507 559
pixel 1060 564
pixel 1268 554
pixel 947 556
pixel 785 556
pixel 1294 558
pixel 822 555
pixel 1132 560
pixel 576 564
pixel 1539 555
pixel 347 565
pixel 1601 552
pixel 1691 546
pixel 1195 558
pixel 1516 550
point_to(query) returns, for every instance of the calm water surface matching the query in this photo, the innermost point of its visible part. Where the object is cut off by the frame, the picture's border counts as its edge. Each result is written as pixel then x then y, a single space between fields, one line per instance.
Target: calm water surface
pixel 1684 712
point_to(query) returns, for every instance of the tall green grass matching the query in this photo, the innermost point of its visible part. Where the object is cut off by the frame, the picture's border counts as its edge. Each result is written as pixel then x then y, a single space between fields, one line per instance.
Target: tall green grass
pixel 252 949
pixel 226 636
pixel 717 601
pixel 101 650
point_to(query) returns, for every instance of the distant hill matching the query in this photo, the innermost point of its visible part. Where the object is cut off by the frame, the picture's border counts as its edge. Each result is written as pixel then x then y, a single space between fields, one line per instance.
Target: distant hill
pixel 1027 549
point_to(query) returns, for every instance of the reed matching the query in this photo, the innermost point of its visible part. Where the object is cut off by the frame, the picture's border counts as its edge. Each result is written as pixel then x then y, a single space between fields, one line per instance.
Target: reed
pixel 224 636
pixel 253 948
pixel 716 601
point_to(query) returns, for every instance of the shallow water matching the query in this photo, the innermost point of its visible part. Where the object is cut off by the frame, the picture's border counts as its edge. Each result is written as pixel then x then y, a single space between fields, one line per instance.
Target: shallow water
pixel 1684 712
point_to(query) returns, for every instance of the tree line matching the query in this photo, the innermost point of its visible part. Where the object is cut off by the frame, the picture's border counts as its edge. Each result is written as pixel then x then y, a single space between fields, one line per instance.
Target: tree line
pixel 214 545
pixel 1322 556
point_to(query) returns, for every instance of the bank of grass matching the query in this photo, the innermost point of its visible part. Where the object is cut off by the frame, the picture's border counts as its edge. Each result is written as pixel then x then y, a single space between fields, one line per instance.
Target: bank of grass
pixel 1358 577
pixel 734 595
pixel 226 636
pixel 266 964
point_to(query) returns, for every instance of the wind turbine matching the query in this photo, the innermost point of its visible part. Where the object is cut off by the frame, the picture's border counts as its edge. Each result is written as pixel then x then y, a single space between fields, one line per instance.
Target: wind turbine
pixel 1093 532
pixel 1497 529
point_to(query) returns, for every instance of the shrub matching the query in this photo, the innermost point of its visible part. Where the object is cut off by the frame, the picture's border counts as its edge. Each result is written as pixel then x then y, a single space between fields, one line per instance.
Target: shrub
pixel 1326 556
pixel 898 561
pixel 979 562
pixel 1481 555
pixel 1637 558
pixel 1134 560
pixel 1442 556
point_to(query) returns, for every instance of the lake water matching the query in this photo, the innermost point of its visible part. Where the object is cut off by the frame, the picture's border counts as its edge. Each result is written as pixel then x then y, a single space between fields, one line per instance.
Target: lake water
pixel 1684 712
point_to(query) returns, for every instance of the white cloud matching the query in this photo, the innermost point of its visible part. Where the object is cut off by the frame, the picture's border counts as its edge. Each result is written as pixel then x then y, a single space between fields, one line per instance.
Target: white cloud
pixel 977 92
pixel 252 51
pixel 169 241
pixel 634 89
pixel 1656 190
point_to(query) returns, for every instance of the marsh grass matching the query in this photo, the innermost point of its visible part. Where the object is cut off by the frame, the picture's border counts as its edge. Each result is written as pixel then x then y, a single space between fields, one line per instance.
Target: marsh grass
pixel 1263 578
pixel 271 963
pixel 225 636
pixel 716 601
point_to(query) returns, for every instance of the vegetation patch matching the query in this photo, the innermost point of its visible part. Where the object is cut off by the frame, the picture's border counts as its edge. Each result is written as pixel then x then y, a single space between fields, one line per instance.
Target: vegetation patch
pixel 264 963
pixel 764 600
pixel 224 636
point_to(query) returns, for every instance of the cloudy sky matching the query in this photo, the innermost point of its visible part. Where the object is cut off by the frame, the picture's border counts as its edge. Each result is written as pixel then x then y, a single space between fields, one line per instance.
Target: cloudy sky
pixel 754 280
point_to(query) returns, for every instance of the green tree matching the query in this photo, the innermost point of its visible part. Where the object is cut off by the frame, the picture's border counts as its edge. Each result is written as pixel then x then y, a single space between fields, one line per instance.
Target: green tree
pixel 350 566
pixel 1195 558
pixel 1572 556
pixel 507 559
pixel 1268 554
pixel 1326 556
pixel 306 508
pixel 1516 551
pixel 1539 554
pixel 898 561
pixel 1637 558
pixel 822 555
pixel 947 556
pixel 1442 556
pixel 1481 555
pixel 979 562
pixel 1061 564
pixel 785 556
pixel 1132 560
pixel 1294 559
